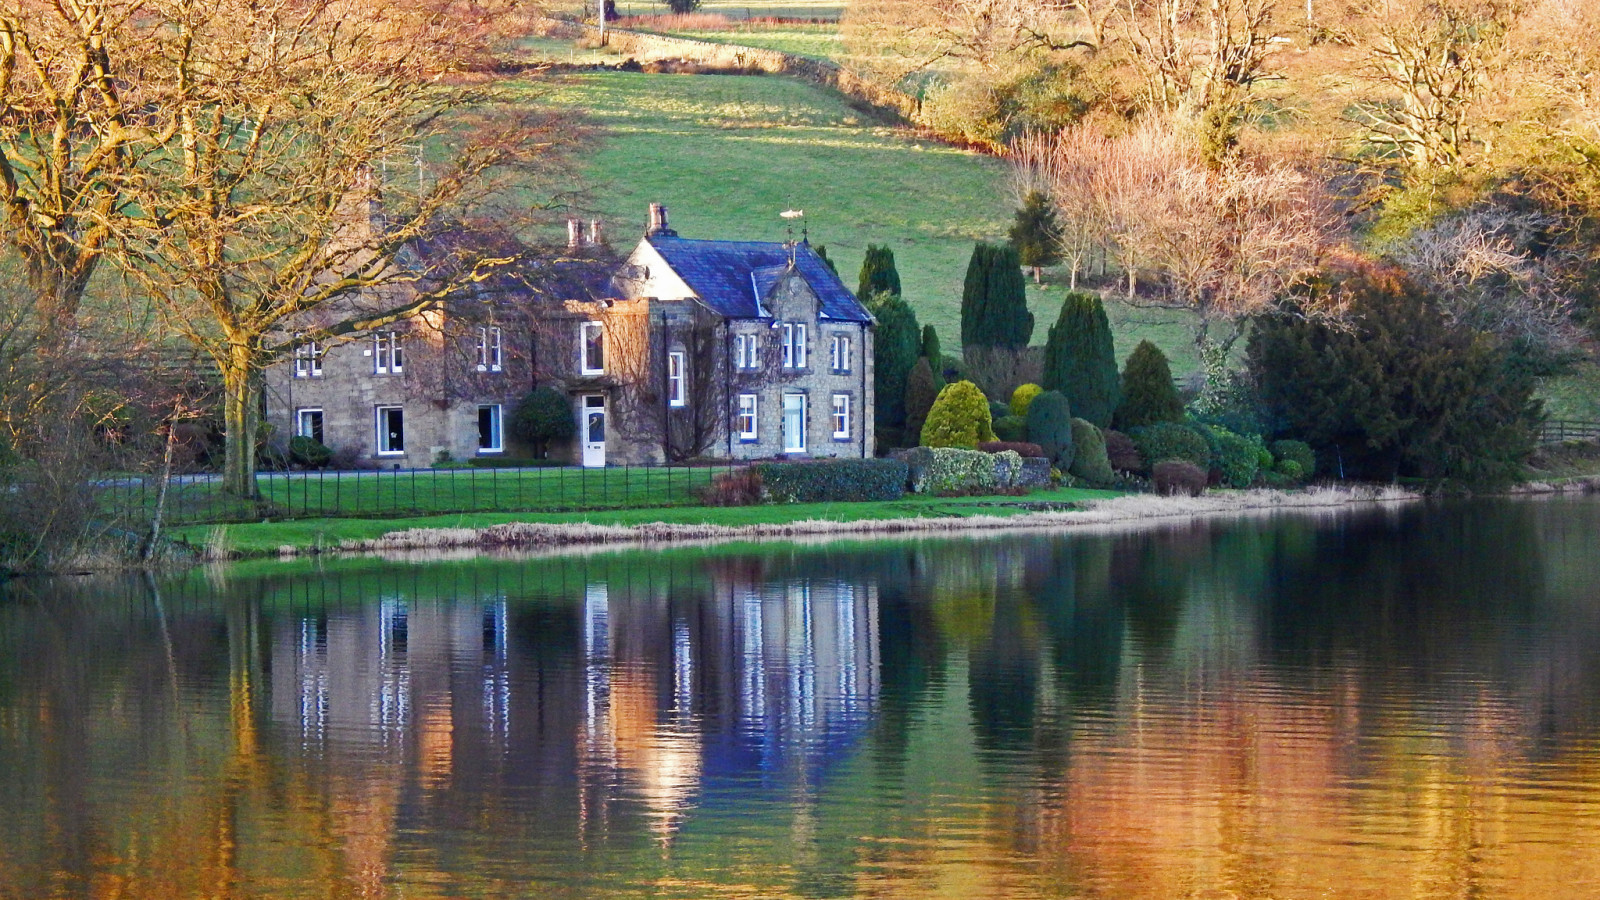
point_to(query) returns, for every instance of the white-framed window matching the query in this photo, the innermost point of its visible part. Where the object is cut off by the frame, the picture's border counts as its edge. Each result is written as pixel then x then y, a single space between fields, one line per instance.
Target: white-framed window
pixel 677 391
pixel 308 423
pixel 841 416
pixel 308 359
pixel 391 430
pixel 491 429
pixel 747 417
pixel 489 359
pixel 839 353
pixel 388 357
pixel 794 345
pixel 592 348
pixel 745 351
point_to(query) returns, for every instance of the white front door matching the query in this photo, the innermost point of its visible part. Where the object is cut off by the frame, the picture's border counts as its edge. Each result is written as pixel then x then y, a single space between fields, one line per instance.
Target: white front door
pixel 794 423
pixel 592 424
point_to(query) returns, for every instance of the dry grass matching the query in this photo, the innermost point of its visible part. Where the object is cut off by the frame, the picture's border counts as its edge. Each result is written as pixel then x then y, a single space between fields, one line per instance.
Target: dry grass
pixel 1127 510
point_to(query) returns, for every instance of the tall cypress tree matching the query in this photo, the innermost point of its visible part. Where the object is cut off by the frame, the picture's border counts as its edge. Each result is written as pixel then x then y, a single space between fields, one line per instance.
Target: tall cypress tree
pixel 1036 234
pixel 878 274
pixel 897 345
pixel 934 355
pixel 822 254
pixel 1080 359
pixel 920 394
pixel 994 300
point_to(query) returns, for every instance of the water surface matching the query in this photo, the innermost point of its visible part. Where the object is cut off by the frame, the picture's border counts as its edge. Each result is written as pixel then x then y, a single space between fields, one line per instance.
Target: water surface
pixel 1393 703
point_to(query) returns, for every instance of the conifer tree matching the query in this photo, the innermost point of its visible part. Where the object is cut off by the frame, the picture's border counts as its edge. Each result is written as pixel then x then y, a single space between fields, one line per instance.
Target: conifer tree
pixel 994 300
pixel 1148 395
pixel 878 274
pixel 1080 359
pixel 1036 234
pixel 1050 426
pixel 934 355
pixel 897 345
pixel 822 254
pixel 921 391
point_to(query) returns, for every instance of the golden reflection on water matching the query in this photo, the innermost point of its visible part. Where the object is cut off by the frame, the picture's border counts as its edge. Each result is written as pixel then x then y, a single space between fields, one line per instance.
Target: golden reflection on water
pixel 1132 717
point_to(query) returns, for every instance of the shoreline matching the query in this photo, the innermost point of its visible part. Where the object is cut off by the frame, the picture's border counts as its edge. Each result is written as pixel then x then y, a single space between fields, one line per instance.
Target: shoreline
pixel 1128 509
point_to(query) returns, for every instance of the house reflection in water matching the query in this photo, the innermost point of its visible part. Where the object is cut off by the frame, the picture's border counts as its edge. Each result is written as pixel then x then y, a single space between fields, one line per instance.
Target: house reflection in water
pixel 616 698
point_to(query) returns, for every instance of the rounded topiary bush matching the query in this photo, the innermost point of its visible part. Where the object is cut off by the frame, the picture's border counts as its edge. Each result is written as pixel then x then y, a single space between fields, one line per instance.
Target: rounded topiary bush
pixel 1011 428
pixel 998 410
pixel 1236 457
pixel 1173 477
pixel 1291 469
pixel 1089 460
pixel 309 452
pixel 1170 440
pixel 1050 426
pixel 959 418
pixel 1298 451
pixel 1022 398
pixel 544 415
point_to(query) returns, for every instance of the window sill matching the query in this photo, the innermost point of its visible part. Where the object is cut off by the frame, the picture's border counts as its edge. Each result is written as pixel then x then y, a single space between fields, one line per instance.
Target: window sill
pixel 842 439
pixel 390 453
pixel 749 440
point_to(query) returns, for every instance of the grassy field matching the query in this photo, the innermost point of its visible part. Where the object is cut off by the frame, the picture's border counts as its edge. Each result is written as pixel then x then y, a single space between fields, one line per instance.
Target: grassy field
pixel 261 538
pixel 726 154
pixel 815 41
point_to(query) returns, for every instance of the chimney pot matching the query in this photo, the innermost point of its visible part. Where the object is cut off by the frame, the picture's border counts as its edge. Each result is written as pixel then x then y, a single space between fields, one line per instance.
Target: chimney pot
pixel 658 218
pixel 596 234
pixel 574 234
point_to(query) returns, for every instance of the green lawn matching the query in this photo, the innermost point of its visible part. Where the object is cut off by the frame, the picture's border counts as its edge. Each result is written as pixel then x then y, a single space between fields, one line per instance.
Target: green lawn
pixel 259 538
pixel 728 153
pixel 382 494
pixel 815 41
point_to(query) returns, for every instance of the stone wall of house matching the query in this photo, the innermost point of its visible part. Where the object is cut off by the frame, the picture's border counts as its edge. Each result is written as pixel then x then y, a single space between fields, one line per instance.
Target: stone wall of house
pixel 349 393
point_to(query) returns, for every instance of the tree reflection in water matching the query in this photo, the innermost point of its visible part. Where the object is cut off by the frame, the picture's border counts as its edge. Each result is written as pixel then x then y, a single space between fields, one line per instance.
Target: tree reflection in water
pixel 1400 703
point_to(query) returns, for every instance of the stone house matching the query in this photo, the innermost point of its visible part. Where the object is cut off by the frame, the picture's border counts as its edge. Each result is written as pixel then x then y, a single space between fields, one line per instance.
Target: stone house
pixel 690 349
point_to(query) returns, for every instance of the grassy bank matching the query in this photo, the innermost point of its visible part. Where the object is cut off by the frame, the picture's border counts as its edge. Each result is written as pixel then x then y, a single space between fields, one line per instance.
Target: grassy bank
pixel 268 538
pixel 728 153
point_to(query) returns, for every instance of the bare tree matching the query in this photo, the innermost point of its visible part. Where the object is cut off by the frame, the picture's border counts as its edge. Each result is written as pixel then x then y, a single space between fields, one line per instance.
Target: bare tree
pixel 1433 61
pixel 693 429
pixel 267 215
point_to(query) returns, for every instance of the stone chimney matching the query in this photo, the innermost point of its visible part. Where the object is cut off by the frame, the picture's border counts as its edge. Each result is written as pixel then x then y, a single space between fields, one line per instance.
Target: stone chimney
pixel 574 234
pixel 658 222
pixel 597 236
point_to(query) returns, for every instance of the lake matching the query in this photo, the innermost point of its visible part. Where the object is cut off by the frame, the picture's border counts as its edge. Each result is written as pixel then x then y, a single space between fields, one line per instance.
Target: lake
pixel 1392 702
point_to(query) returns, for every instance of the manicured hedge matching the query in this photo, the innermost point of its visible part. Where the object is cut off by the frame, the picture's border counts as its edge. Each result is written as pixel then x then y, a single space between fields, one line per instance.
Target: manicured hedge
pixel 953 471
pixel 506 462
pixel 308 452
pixel 824 480
pixel 1089 460
pixel 1173 477
pixel 1023 448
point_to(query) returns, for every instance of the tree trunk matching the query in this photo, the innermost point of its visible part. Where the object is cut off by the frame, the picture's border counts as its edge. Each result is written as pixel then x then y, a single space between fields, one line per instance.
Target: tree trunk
pixel 241 416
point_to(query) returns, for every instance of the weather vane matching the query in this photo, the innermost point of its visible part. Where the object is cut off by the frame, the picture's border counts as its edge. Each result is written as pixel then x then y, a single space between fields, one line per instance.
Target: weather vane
pixel 789 215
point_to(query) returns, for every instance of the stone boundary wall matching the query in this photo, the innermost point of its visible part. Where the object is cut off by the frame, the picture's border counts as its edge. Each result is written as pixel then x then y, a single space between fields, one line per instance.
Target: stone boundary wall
pixel 646 47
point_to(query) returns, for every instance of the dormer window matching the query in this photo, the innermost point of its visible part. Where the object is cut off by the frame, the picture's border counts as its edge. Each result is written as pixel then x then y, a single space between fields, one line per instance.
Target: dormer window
pixel 794 345
pixel 592 351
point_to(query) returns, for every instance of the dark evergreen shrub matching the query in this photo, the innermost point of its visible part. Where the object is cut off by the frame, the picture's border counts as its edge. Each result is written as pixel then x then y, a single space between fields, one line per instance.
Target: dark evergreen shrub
pixel 998 410
pixel 833 480
pixel 878 274
pixel 1398 390
pixel 544 415
pixel 994 300
pixel 1011 428
pixel 1148 394
pixel 1080 359
pixel 1236 457
pixel 1291 469
pixel 935 356
pixel 1123 455
pixel 308 452
pixel 1173 477
pixel 1170 440
pixel 1050 426
pixel 921 391
pixel 1299 452
pixel 896 346
pixel 1089 460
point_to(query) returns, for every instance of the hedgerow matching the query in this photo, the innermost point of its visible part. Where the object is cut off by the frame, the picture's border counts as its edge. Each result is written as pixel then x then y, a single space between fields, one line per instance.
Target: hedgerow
pixel 823 480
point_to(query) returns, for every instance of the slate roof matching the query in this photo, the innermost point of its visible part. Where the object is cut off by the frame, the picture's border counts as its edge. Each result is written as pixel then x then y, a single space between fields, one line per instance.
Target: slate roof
pixel 734 277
